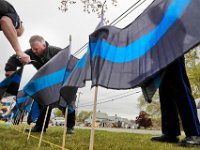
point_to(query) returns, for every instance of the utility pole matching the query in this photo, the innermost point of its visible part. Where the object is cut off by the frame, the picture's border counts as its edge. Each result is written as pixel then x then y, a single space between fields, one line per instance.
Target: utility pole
pixel 79 95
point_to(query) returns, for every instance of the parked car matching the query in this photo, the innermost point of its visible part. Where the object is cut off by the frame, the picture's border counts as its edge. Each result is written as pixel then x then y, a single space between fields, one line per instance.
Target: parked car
pixel 58 121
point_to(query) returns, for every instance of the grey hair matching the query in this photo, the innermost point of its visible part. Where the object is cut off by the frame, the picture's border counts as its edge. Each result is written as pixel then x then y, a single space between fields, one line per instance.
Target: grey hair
pixel 35 38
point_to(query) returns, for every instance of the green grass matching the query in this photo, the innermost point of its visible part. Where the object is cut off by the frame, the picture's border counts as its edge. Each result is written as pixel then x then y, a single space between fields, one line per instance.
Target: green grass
pixel 11 139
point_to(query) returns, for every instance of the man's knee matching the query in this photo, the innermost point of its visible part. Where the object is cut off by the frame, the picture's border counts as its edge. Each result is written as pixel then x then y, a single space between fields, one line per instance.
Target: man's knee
pixel 5 21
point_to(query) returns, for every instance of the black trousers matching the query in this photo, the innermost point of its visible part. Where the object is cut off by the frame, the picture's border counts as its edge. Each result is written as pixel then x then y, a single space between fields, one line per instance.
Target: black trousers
pixel 40 120
pixel 70 119
pixel 4 7
pixel 176 100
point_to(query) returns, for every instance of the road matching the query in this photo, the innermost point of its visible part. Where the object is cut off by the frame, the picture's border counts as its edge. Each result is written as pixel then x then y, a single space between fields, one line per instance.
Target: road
pixel 139 131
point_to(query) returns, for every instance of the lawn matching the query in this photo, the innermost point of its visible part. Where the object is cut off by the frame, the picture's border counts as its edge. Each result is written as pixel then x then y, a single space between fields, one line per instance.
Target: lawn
pixel 12 139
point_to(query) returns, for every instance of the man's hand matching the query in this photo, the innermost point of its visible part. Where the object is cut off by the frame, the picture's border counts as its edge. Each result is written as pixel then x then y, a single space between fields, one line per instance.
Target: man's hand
pixel 15 98
pixel 9 73
pixel 23 57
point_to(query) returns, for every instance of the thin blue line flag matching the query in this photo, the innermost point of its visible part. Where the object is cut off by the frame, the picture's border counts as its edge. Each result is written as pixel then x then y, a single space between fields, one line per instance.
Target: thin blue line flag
pixel 45 85
pixel 132 56
pixel 10 85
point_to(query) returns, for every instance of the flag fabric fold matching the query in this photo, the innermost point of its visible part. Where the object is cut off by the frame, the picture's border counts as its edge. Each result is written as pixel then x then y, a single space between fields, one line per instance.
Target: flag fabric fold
pixel 79 75
pixel 68 93
pixel 23 101
pixel 10 85
pixel 135 55
pixel 130 57
pixel 45 85
pixel 150 86
pixel 34 112
pixel 22 106
pixel 80 72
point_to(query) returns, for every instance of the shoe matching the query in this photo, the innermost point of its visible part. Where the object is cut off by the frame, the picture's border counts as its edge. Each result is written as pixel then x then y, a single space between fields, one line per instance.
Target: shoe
pixel 35 129
pixel 70 131
pixel 191 141
pixel 165 138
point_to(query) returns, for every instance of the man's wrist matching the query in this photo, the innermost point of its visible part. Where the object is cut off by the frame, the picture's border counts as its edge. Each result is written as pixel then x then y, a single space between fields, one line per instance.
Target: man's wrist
pixel 18 52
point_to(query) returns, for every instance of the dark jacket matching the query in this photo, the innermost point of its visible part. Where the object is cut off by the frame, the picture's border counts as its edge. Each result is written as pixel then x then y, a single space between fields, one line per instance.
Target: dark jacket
pixel 6 9
pixel 37 62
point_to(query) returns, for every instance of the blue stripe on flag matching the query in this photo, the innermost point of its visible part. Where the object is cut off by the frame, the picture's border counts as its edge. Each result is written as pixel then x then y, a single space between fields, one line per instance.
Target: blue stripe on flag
pixel 145 43
pixel 28 107
pixel 8 81
pixel 35 111
pixel 82 61
pixel 22 99
pixel 44 82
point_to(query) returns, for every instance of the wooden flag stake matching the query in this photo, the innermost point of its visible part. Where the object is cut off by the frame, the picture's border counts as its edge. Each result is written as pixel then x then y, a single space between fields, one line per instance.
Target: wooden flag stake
pixel 93 120
pixel 39 144
pixel 21 120
pixel 66 109
pixel 65 128
pixel 24 128
pixel 27 119
pixel 16 122
pixel 29 133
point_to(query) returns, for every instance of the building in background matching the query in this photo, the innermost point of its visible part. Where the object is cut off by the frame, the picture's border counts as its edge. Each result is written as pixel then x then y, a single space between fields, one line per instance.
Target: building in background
pixel 105 121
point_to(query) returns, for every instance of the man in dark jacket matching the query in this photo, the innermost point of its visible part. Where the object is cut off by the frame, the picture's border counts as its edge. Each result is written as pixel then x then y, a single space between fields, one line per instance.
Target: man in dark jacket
pixel 12 27
pixel 40 53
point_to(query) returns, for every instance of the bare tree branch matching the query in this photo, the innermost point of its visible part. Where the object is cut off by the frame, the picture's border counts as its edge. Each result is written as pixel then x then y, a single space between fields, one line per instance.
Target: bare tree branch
pixel 89 6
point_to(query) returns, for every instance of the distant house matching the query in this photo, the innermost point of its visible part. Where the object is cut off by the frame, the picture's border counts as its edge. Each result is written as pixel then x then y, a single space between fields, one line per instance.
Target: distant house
pixel 103 120
pixel 119 121
pixel 100 117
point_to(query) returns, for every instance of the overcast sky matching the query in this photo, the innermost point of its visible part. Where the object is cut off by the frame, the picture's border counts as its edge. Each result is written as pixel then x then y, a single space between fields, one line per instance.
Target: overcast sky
pixel 43 17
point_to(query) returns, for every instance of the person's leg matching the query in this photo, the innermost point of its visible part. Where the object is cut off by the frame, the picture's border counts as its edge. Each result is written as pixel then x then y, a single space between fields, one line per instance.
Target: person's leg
pixel 41 118
pixel 169 113
pixel 71 122
pixel 186 104
pixel 48 118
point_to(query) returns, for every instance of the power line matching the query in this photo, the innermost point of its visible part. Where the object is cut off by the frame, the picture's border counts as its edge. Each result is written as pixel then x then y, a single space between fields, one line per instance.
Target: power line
pixel 109 100
pixel 102 99
pixel 133 6
pixel 108 97
pixel 129 12
pixel 80 49
pixel 113 22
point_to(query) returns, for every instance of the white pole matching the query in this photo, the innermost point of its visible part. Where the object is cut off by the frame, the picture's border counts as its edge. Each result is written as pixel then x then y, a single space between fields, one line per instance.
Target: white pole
pixel 76 111
pixel 43 126
pixel 93 120
pixel 79 95
pixel 65 128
